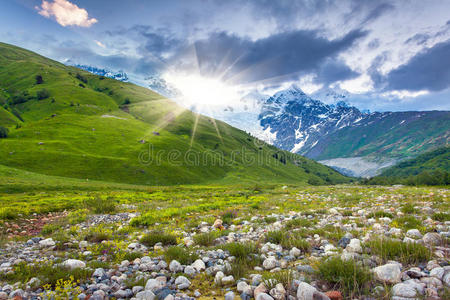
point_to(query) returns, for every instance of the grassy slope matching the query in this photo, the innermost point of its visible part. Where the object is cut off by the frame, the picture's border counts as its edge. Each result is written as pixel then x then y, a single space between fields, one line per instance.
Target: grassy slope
pixel 388 137
pixel 80 131
pixel 438 159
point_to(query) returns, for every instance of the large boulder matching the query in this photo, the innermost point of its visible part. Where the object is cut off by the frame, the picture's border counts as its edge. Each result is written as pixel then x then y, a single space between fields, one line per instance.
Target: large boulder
pixel 388 273
pixel 74 264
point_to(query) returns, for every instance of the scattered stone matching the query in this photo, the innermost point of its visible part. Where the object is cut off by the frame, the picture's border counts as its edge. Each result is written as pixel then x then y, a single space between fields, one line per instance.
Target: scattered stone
pixel 388 273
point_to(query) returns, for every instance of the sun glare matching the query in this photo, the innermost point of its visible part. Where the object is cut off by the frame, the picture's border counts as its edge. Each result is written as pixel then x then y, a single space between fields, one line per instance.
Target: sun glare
pixel 200 91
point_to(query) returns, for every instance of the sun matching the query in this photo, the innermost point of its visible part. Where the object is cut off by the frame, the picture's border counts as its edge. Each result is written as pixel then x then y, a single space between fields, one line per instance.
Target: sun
pixel 202 92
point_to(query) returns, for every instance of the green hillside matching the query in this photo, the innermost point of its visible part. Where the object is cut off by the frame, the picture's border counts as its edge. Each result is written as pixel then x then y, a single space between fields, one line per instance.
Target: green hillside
pixel 430 168
pixel 396 135
pixel 438 159
pixel 66 122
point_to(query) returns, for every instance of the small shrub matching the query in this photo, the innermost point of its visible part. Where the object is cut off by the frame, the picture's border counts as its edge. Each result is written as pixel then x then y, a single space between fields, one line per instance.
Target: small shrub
pixel 151 239
pixel 100 205
pixel 3 132
pixel 8 213
pixel 206 239
pixel 98 234
pixel 408 209
pixel 42 94
pixel 298 222
pixel 81 78
pixel 126 101
pixel 380 214
pixel 241 250
pixel 408 253
pixel 50 228
pixel 347 274
pixel 270 220
pixel 441 217
pixel 130 256
pixel 228 216
pixel 39 79
pixel 274 237
pixel 407 222
pixel 77 216
pixel 182 255
pixel 284 277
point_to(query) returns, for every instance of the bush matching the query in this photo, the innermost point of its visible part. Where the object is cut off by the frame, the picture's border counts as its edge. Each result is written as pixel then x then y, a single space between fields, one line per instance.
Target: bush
pixel 3 132
pixel 179 254
pixel 380 214
pixel 206 239
pixel 42 94
pixel 284 277
pixel 441 217
pixel 81 78
pixel 151 239
pixel 408 209
pixel 241 250
pixel 297 223
pixel 98 234
pixel 39 79
pixel 346 274
pixel 46 272
pixel 407 222
pixel 408 253
pixel 101 206
pixel 274 237
pixel 126 101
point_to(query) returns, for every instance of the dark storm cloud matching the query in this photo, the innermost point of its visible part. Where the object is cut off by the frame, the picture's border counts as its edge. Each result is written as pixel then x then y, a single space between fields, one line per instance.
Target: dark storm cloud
pixel 287 54
pixel 429 70
pixel 334 70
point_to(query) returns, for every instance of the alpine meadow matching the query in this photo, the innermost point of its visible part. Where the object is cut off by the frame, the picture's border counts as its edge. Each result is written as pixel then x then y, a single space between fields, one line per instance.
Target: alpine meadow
pixel 183 150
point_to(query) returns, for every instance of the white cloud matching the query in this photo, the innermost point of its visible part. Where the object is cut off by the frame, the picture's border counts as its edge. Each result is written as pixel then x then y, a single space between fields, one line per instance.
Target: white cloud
pixel 405 94
pixel 66 13
pixel 100 44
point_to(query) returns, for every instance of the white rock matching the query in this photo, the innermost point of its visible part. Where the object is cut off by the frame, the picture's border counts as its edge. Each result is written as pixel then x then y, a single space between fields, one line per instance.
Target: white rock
pixel 218 277
pixel 414 233
pixel 47 243
pixel 153 285
pixel 264 296
pixel 389 273
pixel 305 291
pixel 229 296
pixel 74 264
pixel 190 271
pixel 145 295
pixel 354 246
pixel 228 279
pixel 270 263
pixel 199 265
pixel 438 273
pixel 432 238
pixel 182 283
pixel 243 287
pixel 175 266
pixel 295 252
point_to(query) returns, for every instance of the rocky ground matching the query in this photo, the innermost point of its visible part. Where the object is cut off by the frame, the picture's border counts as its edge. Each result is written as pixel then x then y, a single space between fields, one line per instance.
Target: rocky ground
pixel 386 244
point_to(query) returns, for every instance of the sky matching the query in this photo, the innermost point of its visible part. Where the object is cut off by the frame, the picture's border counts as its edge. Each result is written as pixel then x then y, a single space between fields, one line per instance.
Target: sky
pixel 385 55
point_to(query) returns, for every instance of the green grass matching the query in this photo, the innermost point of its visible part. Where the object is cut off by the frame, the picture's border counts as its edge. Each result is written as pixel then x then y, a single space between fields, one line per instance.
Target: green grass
pixel 152 238
pixel 349 276
pixel 182 255
pixel 47 272
pixel 86 133
pixel 408 253
pixel 206 239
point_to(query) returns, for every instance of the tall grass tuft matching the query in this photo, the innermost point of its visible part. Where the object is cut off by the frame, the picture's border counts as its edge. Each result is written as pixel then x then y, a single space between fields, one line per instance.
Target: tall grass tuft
pixel 408 253
pixel 350 277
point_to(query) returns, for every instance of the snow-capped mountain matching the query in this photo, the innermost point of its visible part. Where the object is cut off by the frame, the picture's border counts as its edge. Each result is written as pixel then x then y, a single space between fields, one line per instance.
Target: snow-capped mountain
pixel 300 121
pixel 119 75
pixel 339 135
pixel 161 86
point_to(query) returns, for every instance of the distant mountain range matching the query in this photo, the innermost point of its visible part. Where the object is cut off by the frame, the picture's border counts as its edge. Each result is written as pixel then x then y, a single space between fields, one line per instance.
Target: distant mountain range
pixel 353 141
pixel 119 75
pixel 356 143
